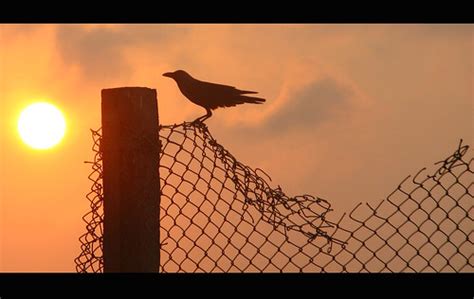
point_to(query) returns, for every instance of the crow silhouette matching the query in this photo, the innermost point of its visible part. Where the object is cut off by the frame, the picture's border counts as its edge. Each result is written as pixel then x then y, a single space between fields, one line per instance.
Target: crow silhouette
pixel 210 95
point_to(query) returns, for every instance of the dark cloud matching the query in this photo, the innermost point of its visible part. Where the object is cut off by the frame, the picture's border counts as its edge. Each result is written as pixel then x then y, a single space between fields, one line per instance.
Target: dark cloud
pixel 314 104
pixel 99 51
pixel 322 101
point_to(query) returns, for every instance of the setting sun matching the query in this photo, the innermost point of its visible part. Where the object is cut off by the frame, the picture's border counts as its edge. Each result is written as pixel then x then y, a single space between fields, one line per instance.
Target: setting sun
pixel 41 125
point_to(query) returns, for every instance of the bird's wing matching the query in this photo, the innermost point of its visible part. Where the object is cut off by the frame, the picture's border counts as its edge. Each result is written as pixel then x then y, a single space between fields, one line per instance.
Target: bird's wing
pixel 222 89
pixel 219 95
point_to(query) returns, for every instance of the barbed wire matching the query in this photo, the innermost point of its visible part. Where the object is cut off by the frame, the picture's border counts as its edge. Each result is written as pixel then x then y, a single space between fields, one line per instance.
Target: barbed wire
pixel 220 215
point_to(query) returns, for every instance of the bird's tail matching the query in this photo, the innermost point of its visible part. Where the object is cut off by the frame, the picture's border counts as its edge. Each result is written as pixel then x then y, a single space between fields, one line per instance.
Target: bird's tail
pixel 246 91
pixel 252 100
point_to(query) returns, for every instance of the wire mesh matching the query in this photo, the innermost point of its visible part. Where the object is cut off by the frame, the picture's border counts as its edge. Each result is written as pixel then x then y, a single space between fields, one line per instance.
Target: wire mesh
pixel 91 257
pixel 219 215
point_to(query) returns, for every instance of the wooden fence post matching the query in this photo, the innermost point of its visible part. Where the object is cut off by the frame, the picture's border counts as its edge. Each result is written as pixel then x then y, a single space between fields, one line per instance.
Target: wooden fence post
pixel 130 147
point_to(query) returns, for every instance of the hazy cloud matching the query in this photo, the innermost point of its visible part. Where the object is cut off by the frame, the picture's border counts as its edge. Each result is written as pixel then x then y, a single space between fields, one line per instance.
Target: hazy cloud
pixel 99 51
pixel 311 105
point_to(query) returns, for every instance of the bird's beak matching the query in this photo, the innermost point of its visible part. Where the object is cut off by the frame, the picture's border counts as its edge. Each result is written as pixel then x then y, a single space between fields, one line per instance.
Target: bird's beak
pixel 168 74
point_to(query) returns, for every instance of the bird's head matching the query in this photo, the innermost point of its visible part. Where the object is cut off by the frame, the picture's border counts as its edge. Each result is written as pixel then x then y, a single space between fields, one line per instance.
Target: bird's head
pixel 177 75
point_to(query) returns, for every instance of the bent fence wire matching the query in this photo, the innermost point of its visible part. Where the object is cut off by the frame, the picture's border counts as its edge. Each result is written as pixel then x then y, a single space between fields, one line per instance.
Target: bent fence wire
pixel 219 215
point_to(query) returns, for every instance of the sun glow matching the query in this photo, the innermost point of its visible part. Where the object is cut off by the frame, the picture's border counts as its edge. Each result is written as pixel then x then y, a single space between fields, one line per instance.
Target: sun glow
pixel 41 125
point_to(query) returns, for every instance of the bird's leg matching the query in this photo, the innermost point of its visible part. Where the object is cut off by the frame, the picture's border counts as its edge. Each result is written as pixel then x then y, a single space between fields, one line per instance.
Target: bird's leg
pixel 208 114
pixel 204 117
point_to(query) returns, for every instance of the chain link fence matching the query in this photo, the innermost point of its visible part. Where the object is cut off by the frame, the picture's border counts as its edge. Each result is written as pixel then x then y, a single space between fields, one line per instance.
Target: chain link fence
pixel 219 215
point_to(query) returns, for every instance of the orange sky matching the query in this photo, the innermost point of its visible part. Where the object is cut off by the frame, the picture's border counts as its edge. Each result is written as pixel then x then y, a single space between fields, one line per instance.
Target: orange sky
pixel 351 110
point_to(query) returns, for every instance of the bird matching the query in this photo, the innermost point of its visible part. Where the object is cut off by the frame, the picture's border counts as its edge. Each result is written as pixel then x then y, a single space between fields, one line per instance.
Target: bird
pixel 209 95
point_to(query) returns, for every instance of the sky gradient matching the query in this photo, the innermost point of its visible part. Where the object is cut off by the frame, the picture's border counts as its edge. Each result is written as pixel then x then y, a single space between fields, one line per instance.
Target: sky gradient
pixel 351 110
